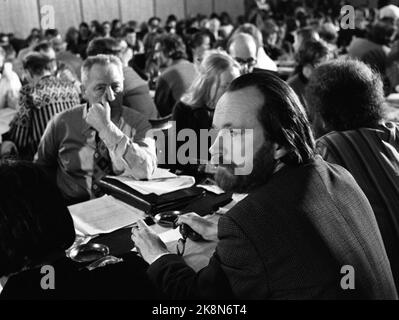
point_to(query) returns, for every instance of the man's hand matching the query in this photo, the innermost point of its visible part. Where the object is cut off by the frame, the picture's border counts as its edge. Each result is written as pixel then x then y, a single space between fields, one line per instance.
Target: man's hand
pixel 206 228
pixel 149 245
pixel 99 116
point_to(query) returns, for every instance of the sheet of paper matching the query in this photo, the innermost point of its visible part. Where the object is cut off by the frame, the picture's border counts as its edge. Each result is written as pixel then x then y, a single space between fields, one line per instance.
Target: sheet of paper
pixel 103 215
pixel 170 235
pixel 159 187
pixel 212 188
pixel 160 173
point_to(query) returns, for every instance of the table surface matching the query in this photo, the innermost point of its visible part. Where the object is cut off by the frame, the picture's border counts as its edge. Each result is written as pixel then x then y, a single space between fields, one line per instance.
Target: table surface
pixel 197 254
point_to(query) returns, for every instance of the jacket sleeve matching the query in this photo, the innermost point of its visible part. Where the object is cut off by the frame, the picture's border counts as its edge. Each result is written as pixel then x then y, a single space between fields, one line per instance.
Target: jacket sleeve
pixel 231 272
pixel 164 99
pixel 134 155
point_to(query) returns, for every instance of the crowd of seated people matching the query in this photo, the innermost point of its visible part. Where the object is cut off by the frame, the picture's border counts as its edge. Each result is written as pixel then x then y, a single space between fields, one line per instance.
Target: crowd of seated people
pixel 324 185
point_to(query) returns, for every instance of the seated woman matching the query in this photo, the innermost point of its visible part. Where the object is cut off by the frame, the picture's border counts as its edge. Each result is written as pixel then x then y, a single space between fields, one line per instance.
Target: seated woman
pixel 41 99
pixel 195 109
pixel 36 229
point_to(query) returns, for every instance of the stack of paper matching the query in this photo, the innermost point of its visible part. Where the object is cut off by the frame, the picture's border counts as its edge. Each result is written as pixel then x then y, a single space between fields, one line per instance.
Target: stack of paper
pixel 159 186
pixel 103 215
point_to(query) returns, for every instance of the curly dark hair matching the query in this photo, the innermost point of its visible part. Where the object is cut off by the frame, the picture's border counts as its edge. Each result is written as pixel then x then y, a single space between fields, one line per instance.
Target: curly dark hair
pixel 34 221
pixel 347 94
pixel 172 46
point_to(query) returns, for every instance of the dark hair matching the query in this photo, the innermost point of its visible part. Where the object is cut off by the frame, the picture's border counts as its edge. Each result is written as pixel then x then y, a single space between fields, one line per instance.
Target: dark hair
pixel 170 18
pixel 328 32
pixel 52 33
pixel 84 25
pixel 214 15
pixel 311 52
pixel 198 38
pixel 307 33
pixel 172 46
pixel 34 221
pixel 282 116
pixel 31 38
pixel 128 30
pixel 225 18
pixel 153 19
pixel 347 94
pixel 382 31
pixel 37 63
pixel 103 45
pixel 270 27
pixel 43 46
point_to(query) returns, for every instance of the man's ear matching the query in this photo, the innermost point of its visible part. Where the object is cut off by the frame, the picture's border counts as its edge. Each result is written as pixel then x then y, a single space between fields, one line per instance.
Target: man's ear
pixel 279 151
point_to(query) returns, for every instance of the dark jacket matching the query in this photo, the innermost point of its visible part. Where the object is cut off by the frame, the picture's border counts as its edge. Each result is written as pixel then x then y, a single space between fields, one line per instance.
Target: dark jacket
pixel 172 84
pixel 125 280
pixel 196 119
pixel 289 240
pixel 371 155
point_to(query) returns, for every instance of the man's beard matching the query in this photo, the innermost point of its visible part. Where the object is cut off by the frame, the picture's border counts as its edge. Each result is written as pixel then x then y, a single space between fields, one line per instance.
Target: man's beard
pixel 264 165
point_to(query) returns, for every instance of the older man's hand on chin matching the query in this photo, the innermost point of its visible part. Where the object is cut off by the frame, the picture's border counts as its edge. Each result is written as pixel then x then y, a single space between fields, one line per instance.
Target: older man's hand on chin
pixel 99 116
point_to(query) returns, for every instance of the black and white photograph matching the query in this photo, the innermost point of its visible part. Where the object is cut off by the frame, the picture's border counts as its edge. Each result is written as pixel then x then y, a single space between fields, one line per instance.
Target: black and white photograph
pixel 196 157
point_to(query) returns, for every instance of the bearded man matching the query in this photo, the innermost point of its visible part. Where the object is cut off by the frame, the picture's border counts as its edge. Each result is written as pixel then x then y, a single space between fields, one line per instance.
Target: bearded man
pixel 303 222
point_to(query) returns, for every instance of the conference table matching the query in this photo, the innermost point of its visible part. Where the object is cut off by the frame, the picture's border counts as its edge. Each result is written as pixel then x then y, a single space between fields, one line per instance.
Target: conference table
pixel 197 254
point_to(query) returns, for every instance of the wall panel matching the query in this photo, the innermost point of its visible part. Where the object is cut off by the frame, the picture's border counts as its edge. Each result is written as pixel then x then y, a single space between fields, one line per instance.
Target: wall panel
pixel 234 7
pixel 139 10
pixel 18 16
pixel 204 7
pixel 100 10
pixel 67 13
pixel 163 8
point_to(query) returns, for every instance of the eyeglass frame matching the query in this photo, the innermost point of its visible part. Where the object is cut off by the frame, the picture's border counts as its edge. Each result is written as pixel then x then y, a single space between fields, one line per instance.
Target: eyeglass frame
pixel 181 242
pixel 249 62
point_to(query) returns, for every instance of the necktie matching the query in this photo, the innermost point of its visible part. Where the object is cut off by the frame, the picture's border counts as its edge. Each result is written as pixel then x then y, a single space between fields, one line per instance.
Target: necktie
pixel 102 166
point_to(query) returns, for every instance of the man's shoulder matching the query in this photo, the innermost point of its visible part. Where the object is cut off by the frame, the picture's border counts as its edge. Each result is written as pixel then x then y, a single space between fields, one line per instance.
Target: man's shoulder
pixel 293 186
pixel 70 115
pixel 184 68
pixel 386 131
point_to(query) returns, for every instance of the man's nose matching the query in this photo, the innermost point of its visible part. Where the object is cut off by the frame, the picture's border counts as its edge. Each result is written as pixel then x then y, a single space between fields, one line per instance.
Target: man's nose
pixel 110 94
pixel 217 149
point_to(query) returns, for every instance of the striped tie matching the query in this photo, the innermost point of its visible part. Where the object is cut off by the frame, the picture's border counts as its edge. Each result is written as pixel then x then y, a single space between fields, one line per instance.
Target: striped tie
pixel 102 166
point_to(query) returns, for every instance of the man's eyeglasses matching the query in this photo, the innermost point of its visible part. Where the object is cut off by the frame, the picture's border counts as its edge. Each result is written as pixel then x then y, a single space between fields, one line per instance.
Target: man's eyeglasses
pixel 187 233
pixel 181 243
pixel 250 61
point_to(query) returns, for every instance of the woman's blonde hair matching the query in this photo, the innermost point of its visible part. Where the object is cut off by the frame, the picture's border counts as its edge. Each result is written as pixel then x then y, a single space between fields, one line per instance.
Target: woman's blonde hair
pixel 214 64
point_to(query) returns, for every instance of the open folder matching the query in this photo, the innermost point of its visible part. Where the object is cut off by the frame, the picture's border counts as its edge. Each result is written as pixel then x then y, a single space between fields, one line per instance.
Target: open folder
pixel 103 215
